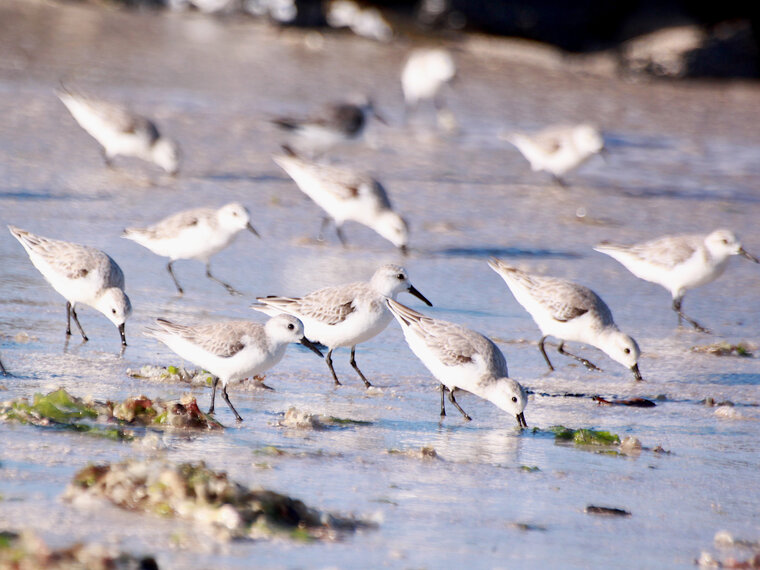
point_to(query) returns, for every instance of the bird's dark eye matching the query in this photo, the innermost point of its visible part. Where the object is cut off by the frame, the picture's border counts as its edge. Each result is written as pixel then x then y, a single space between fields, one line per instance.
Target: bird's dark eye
pixel 400 277
pixel 627 350
pixel 514 399
pixel 234 213
pixel 291 326
pixel 725 241
pixel 113 311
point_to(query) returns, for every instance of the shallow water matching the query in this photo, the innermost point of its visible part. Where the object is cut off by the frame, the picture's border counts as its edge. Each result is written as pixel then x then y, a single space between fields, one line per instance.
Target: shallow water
pixel 684 158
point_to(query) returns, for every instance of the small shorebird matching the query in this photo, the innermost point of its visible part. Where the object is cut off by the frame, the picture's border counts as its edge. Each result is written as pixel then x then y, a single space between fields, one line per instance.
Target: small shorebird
pixel 461 359
pixel 345 315
pixel 679 262
pixel 558 149
pixel 333 124
pixel 346 194
pixel 81 274
pixel 121 132
pixel 232 350
pixel 194 234
pixel 424 74
pixel 569 312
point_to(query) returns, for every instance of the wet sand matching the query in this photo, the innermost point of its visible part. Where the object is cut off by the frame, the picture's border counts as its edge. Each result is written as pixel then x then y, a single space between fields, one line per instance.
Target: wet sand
pixel 683 158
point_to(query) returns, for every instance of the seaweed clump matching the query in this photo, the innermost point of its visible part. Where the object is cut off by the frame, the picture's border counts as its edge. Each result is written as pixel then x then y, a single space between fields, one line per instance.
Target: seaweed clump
pixel 192 491
pixel 59 409
pixel 725 349
pixel 27 551
pixel 584 436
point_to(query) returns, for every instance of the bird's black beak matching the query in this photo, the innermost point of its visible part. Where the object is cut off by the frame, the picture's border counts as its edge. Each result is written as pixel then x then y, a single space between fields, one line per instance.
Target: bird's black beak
pixel 636 373
pixel 419 295
pixel 251 229
pixel 521 420
pixel 307 343
pixel 404 249
pixel 748 255
pixel 379 117
pixel 123 336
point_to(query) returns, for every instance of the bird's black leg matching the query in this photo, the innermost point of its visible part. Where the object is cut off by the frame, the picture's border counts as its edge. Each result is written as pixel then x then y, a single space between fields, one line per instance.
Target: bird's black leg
pixel 328 359
pixel 323 228
pixel 227 399
pixel 359 372
pixel 586 363
pixel 68 318
pixel 543 352
pixel 559 181
pixel 443 405
pixel 341 237
pixel 213 394
pixel 2 369
pixel 174 277
pixel 681 315
pixel 230 289
pixel 70 308
pixel 458 407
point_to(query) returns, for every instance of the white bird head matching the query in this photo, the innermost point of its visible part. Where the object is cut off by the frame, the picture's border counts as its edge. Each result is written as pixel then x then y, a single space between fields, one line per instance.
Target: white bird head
pixel 166 154
pixel 115 305
pixel 510 396
pixel 235 217
pixel 588 138
pixel 390 280
pixel 286 329
pixel 393 228
pixel 723 243
pixel 623 349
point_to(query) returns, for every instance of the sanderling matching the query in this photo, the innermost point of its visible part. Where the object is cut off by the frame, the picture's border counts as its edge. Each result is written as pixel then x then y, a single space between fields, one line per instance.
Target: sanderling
pixel 345 315
pixel 425 72
pixel 334 124
pixel 679 262
pixel 194 234
pixel 558 149
pixel 569 312
pixel 346 194
pixel 121 132
pixel 81 274
pixel 461 359
pixel 232 350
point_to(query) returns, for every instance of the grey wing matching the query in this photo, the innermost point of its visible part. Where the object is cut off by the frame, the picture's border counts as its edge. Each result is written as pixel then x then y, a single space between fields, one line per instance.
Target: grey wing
pixel 115 276
pixel 331 305
pixel 375 189
pixel 455 344
pixel 173 225
pixel 223 339
pixel 73 260
pixel 549 141
pixel 566 300
pixel 668 251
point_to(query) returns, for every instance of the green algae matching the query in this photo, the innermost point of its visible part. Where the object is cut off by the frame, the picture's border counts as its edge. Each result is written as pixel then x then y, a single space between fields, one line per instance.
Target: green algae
pixel 584 436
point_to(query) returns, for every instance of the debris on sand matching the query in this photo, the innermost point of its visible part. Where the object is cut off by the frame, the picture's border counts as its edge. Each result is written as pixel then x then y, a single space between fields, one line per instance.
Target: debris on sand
pixel 424 453
pixel 27 551
pixel 584 436
pixel 725 349
pixel 196 377
pixel 298 419
pixel 61 410
pixel 607 511
pixel 192 491
pixel 633 402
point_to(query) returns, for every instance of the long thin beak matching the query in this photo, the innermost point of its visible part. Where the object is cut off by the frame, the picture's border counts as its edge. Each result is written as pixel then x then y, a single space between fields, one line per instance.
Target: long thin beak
pixel 307 343
pixel 379 117
pixel 748 255
pixel 521 420
pixel 404 249
pixel 251 229
pixel 636 373
pixel 123 336
pixel 419 295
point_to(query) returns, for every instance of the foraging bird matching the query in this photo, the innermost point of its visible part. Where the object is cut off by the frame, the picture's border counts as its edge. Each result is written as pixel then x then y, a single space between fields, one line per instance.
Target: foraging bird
pixel 425 72
pixel 121 131
pixel 194 234
pixel 332 125
pixel 461 359
pixel 559 149
pixel 346 194
pixel 232 350
pixel 81 274
pixel 679 262
pixel 571 313
pixel 345 315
